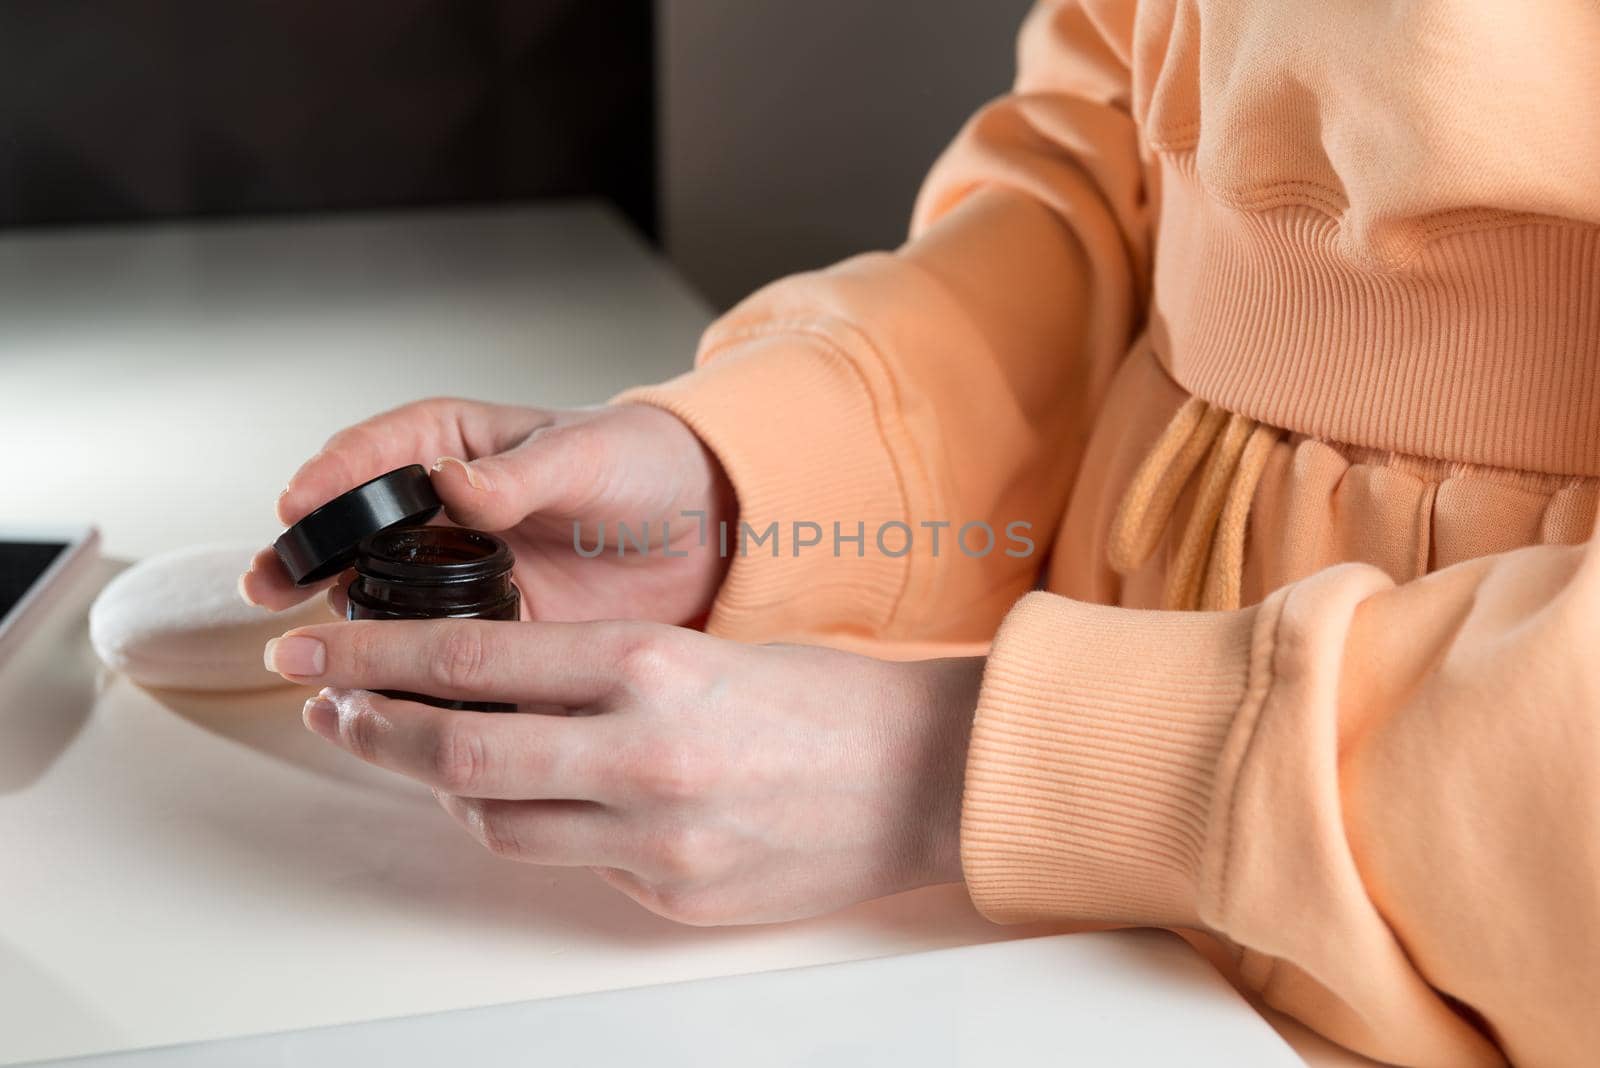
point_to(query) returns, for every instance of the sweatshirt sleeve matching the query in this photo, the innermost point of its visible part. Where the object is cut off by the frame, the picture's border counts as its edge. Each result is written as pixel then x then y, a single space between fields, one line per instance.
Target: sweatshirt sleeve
pixel 869 412
pixel 1384 799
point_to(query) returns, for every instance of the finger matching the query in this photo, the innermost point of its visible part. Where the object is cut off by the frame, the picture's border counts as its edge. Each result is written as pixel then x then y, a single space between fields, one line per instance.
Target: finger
pixel 266 583
pixel 339 598
pixel 405 435
pixel 556 469
pixel 414 433
pixel 569 664
pixel 568 834
pixel 472 754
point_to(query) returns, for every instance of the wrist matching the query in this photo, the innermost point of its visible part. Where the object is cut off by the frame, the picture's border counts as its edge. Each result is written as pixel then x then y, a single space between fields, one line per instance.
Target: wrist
pixel 943 702
pixel 720 504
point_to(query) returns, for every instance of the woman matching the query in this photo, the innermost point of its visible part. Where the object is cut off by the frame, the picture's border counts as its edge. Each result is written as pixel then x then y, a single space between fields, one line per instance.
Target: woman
pixel 1281 318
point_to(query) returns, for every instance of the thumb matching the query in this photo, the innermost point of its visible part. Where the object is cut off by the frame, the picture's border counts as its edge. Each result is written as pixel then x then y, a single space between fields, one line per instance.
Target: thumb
pixel 548 472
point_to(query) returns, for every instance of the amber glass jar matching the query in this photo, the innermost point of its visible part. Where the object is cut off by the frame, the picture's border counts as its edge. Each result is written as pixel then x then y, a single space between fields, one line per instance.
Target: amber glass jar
pixel 435 573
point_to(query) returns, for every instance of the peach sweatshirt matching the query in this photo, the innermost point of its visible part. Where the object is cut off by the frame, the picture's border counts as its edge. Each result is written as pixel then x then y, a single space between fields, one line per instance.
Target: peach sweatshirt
pixel 1224 293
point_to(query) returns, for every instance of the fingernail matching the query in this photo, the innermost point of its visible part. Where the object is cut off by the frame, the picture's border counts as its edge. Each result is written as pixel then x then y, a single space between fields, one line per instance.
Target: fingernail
pixel 244 595
pixel 475 478
pixel 320 716
pixel 296 655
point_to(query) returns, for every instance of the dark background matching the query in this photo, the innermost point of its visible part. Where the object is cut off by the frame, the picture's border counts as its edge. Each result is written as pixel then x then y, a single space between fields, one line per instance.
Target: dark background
pixel 117 110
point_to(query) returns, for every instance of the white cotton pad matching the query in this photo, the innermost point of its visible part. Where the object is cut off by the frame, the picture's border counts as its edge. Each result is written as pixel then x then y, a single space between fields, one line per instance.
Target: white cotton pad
pixel 176 621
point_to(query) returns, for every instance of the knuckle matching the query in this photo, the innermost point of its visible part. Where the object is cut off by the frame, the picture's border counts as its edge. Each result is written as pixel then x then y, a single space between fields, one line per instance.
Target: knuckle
pixel 361 730
pixel 673 771
pixel 360 651
pixel 433 405
pixel 688 906
pixel 346 451
pixel 459 657
pixel 685 855
pixel 343 439
pixel 428 408
pixel 649 657
pixel 459 758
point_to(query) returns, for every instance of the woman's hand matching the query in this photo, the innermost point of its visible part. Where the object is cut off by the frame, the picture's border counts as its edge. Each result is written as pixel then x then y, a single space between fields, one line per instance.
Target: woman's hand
pixel 713 782
pixel 530 474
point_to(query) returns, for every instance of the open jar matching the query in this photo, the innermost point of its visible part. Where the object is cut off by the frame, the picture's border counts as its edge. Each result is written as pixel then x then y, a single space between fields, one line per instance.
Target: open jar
pixel 433 573
pixel 404 569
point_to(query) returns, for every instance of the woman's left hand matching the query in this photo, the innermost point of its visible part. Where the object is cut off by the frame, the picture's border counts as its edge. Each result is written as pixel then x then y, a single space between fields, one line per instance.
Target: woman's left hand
pixel 714 782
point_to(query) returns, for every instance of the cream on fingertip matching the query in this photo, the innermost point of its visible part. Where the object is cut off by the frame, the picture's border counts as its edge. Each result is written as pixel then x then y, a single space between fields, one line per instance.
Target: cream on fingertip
pixel 320 715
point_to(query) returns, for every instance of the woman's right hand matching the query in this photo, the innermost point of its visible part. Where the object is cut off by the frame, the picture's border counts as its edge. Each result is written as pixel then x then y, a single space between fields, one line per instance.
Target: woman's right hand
pixel 529 474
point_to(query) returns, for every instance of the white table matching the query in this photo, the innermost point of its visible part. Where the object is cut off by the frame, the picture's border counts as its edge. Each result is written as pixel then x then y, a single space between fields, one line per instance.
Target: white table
pixel 1123 998
pixel 181 868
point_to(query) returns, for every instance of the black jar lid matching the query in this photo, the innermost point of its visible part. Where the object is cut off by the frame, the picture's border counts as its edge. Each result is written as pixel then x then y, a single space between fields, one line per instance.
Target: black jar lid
pixel 326 541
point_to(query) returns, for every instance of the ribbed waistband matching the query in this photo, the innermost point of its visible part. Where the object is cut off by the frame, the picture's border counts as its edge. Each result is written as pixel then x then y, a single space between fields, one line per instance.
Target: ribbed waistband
pixel 1483 346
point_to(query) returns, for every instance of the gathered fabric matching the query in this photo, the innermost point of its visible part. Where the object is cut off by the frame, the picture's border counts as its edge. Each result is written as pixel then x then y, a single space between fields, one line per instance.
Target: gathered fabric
pixel 1188 506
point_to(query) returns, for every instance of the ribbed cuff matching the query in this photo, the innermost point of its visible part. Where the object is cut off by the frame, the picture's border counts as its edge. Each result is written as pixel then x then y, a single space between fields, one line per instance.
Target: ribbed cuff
pixel 1093 760
pixel 794 425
